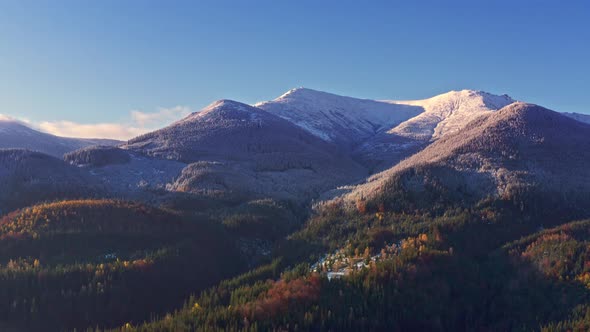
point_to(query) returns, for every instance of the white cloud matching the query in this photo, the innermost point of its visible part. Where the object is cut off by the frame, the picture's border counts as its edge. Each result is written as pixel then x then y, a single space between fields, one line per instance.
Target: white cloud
pixel 95 130
pixel 164 115
pixel 138 123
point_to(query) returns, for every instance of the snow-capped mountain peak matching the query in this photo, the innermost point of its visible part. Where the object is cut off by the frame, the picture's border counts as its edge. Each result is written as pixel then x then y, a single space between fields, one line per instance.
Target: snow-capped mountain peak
pixel 346 119
pixel 224 104
pixel 489 99
pixel 223 108
pixel 337 118
pixel 301 92
pixel 448 112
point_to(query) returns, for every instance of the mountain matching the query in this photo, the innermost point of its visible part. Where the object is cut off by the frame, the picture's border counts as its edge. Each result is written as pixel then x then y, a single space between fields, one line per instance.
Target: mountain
pixel 126 173
pixel 578 116
pixel 339 119
pixel 97 156
pixel 518 149
pixel 15 135
pixel 239 149
pixel 28 177
pixel 381 133
pixel 442 115
pixel 447 113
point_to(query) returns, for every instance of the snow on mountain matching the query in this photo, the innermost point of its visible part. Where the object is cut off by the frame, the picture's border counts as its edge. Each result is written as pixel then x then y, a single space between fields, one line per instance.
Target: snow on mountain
pixel 442 115
pixel 16 135
pixel 447 113
pixel 234 148
pixel 346 119
pixel 337 118
pixel 225 128
pixel 381 133
pixel 125 173
pixel 499 153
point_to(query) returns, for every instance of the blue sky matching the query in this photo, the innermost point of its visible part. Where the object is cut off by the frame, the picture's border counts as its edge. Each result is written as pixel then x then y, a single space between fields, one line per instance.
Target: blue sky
pixel 95 62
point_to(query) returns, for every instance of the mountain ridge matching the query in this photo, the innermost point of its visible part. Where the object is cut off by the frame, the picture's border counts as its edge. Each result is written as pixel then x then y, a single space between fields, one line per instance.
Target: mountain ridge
pixel 337 118
pixel 15 134
pixel 448 112
pixel 233 147
pixel 520 144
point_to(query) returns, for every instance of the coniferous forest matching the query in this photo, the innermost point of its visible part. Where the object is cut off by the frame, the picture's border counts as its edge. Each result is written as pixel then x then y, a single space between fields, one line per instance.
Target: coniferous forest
pixel 380 264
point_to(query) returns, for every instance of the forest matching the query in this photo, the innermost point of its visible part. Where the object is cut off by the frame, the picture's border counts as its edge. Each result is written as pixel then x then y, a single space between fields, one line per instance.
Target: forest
pixel 423 254
pixel 484 266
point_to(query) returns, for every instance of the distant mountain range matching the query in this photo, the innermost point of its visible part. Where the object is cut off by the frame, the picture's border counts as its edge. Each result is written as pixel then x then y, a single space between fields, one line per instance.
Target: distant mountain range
pixel 307 142
pixel 16 135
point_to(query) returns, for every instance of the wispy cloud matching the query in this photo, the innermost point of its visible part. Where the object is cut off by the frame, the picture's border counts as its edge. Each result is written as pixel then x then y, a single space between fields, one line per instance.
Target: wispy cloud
pixel 95 130
pixel 164 115
pixel 138 123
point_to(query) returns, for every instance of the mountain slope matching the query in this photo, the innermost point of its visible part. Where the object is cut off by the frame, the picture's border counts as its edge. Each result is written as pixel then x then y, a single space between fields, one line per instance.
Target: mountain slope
pixel 27 177
pixel 578 116
pixel 15 135
pixel 443 115
pixel 507 153
pixel 126 173
pixel 342 119
pixel 239 149
pixel 447 113
pixel 73 264
pixel 381 133
pixel 339 119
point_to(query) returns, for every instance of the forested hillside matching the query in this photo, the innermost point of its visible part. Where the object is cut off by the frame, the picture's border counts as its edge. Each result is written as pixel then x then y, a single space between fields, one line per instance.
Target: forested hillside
pixel 416 283
pixel 74 264
pixel 29 177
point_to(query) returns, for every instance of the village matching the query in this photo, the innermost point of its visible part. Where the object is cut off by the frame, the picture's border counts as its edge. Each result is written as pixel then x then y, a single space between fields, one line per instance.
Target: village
pixel 339 264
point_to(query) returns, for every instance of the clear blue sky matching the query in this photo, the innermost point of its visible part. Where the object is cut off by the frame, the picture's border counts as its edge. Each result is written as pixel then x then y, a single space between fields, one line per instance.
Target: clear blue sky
pixel 95 61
